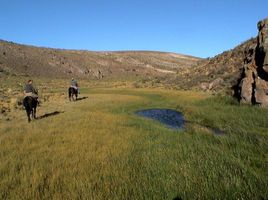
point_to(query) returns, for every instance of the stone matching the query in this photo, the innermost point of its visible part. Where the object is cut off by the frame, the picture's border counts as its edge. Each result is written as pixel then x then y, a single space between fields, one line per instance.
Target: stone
pixel 263 45
pixel 253 85
pixel 261 92
pixel 215 83
pixel 204 86
pixel 246 89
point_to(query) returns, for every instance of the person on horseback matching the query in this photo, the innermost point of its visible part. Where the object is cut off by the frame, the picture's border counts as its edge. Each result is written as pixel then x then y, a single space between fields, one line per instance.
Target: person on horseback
pixel 31 91
pixel 74 85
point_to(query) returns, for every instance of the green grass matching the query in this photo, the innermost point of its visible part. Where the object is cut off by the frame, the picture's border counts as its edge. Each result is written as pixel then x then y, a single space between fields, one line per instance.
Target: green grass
pixel 97 148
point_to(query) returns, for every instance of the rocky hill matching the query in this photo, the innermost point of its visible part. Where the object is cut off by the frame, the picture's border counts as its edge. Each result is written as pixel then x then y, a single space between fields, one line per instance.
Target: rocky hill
pixel 242 70
pixel 217 73
pixel 45 62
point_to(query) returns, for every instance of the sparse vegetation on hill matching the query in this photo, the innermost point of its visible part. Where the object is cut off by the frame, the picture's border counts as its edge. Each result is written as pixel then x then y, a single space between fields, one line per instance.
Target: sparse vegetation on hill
pixel 55 63
pixel 153 68
pixel 217 73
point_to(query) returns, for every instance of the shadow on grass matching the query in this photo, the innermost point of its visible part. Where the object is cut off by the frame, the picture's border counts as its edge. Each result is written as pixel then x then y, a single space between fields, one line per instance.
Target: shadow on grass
pixel 81 98
pixel 215 131
pixel 49 114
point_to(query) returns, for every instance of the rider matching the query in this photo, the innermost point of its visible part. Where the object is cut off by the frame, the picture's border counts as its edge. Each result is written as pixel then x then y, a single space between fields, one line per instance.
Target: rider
pixel 74 85
pixel 30 90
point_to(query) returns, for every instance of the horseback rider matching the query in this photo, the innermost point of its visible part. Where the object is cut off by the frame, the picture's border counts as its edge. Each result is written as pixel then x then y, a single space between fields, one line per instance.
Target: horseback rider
pixel 30 90
pixel 74 85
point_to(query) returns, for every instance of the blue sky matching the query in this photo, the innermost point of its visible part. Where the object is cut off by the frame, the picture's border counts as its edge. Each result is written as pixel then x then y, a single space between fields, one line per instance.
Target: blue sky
pixel 201 28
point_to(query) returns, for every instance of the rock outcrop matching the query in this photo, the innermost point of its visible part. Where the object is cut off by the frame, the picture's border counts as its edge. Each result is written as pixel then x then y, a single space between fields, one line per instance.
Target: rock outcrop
pixel 253 85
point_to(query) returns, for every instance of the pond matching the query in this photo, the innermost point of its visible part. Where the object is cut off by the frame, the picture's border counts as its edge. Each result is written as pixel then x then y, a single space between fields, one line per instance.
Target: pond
pixel 171 118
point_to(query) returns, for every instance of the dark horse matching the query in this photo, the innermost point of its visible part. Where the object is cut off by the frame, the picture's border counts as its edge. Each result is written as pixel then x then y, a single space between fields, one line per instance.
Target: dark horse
pixel 30 105
pixel 73 92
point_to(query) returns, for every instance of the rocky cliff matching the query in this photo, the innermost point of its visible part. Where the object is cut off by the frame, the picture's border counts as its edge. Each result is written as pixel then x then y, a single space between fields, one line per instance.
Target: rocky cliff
pixel 253 84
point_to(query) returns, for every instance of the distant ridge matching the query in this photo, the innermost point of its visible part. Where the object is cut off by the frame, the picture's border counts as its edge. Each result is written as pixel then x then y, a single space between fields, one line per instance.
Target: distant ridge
pixel 218 73
pixel 29 60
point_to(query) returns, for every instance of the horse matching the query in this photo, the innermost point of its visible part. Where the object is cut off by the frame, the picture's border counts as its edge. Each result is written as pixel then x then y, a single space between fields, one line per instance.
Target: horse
pixel 72 92
pixel 30 105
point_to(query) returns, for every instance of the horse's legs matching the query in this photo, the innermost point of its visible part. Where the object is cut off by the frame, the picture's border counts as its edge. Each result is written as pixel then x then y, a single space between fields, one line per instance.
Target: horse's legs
pixel 70 95
pixel 29 116
pixel 34 112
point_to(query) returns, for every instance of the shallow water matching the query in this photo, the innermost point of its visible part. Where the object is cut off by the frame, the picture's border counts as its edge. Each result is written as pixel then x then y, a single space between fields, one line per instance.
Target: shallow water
pixel 171 118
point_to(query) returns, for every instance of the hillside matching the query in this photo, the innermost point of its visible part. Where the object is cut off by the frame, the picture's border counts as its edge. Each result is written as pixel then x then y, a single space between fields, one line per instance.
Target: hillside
pixel 241 71
pixel 216 73
pixel 46 62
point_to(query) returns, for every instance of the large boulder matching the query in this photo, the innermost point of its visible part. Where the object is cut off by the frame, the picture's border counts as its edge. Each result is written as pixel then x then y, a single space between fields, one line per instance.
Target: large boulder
pixel 253 85
pixel 246 90
pixel 261 92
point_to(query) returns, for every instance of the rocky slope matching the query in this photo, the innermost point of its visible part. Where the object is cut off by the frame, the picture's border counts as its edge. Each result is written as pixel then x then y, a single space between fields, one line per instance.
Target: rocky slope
pixel 45 62
pixel 218 73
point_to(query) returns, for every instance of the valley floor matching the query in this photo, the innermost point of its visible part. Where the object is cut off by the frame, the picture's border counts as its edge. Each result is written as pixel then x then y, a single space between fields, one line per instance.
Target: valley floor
pixel 97 148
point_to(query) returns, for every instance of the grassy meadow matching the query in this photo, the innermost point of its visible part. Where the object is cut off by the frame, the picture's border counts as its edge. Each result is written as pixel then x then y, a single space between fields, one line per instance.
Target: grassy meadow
pixel 97 148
